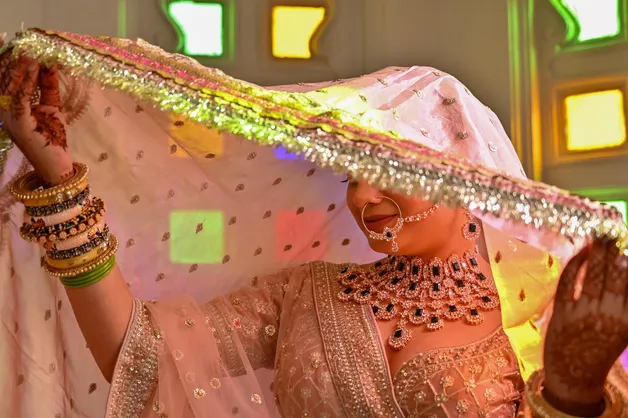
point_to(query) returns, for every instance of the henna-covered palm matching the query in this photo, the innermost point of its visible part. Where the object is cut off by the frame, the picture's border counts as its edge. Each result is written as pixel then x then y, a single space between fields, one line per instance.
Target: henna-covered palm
pixel 588 330
pixel 38 130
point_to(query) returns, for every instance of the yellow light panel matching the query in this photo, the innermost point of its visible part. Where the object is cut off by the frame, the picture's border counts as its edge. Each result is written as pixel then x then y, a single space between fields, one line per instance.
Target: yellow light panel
pixel 595 120
pixel 293 28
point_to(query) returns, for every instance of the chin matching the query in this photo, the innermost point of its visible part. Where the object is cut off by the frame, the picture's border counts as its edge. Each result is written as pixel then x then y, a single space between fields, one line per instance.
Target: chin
pixel 381 247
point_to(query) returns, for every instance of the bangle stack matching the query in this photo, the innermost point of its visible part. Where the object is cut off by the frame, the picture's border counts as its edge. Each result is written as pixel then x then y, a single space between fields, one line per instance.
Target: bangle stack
pixel 538 407
pixel 69 224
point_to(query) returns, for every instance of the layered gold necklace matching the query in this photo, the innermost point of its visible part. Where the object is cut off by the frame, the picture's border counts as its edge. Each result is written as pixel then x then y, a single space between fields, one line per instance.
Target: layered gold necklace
pixel 420 293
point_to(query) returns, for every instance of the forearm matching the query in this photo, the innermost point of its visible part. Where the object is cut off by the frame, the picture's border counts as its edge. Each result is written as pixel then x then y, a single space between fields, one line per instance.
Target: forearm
pixel 103 311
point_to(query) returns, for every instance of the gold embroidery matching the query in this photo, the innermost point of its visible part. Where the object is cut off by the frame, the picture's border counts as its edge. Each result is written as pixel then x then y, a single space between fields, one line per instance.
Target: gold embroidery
pixel 488 365
pixel 135 376
pixel 363 382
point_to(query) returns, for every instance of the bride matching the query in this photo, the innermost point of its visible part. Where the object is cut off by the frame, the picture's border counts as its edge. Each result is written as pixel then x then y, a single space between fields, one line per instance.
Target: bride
pixel 451 318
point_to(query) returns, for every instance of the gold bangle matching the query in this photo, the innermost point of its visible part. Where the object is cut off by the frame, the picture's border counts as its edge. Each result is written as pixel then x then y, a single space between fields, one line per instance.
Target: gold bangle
pixel 27 189
pixel 81 260
pixel 111 249
pixel 539 408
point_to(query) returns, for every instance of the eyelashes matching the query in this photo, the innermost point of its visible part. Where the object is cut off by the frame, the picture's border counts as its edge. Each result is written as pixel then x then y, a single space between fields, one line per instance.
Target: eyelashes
pixel 345 180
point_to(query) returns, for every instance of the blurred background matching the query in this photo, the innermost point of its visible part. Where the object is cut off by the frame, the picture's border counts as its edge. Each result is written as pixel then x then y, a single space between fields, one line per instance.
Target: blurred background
pixel 554 71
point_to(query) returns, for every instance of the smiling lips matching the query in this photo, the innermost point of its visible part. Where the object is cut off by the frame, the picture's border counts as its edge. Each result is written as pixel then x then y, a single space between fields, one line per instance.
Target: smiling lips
pixel 378 222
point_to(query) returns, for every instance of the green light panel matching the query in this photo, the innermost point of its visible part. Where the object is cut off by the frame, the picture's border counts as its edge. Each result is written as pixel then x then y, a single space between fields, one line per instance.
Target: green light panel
pixel 200 25
pixel 197 237
pixel 594 19
pixel 620 205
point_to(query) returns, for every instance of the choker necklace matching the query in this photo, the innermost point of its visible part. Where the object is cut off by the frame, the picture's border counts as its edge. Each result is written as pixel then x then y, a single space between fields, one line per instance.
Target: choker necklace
pixel 421 293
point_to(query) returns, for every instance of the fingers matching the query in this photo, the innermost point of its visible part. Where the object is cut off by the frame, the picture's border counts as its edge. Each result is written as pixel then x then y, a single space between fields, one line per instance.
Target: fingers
pixel 49 87
pixel 615 275
pixel 13 76
pixel 22 97
pixel 596 270
pixel 567 284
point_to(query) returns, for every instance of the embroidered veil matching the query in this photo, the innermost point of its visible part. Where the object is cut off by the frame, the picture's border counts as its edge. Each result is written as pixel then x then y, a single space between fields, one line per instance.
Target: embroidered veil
pixel 213 182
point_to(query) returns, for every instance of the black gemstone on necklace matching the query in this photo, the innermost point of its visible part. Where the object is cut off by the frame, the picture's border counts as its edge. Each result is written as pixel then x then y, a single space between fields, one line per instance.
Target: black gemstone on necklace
pixel 390 307
pixel 375 309
pixel 383 273
pixel 418 312
pixel 434 320
pixel 352 277
pixel 481 276
pixel 473 261
pixel 401 267
pixel 388 235
pixel 378 264
pixel 436 271
pixel 474 312
pixel 392 259
pixel 436 287
pixel 473 228
pixel 486 299
pixel 395 281
pixel 365 292
pixel 452 308
pixel 460 283
pixel 344 270
pixel 415 270
pixel 348 290
pixel 455 266
pixel 398 333
pixel 412 286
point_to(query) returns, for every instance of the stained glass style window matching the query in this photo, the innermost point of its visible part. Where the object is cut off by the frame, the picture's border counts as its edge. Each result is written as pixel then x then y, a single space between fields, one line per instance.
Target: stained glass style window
pixel 621 206
pixel 293 30
pixel 594 120
pixel 200 26
pixel 589 20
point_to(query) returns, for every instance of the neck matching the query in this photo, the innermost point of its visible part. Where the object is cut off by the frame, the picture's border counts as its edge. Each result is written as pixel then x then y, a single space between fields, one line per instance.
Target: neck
pixel 452 246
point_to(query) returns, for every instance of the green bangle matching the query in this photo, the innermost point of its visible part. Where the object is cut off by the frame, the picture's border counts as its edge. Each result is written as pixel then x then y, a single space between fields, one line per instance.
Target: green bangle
pixel 90 277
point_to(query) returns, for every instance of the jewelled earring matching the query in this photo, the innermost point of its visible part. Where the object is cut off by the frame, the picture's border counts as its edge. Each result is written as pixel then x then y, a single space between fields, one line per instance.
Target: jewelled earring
pixel 471 229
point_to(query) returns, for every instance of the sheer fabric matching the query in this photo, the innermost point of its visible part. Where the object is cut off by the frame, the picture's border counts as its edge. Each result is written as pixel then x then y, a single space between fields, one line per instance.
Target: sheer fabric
pixel 200 213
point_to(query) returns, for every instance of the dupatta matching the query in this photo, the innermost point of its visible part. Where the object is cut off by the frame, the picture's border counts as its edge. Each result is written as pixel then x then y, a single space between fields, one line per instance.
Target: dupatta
pixel 212 182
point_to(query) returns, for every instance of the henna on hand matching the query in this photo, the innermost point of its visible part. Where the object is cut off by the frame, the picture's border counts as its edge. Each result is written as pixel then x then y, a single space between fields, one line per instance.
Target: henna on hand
pixel 22 97
pixel 583 352
pixel 49 87
pixel 51 128
pixel 587 332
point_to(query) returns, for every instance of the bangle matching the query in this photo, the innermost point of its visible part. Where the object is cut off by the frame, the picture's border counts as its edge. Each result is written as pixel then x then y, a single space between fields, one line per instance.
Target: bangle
pixel 91 214
pixel 29 190
pixel 36 211
pixel 91 277
pixel 81 260
pixel 111 248
pixel 539 408
pixel 56 218
pixel 79 244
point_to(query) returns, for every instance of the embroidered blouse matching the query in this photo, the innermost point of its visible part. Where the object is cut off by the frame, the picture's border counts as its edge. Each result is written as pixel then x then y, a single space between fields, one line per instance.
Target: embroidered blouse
pixel 327 357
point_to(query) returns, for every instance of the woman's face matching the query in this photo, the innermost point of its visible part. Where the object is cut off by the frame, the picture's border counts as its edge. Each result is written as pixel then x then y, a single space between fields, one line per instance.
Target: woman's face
pixel 415 238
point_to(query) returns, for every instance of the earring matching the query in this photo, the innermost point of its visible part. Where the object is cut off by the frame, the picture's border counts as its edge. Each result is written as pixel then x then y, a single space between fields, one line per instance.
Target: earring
pixel 390 234
pixel 471 230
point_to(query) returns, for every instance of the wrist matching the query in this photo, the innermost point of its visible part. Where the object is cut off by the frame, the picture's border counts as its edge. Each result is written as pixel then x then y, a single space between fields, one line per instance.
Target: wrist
pixel 591 405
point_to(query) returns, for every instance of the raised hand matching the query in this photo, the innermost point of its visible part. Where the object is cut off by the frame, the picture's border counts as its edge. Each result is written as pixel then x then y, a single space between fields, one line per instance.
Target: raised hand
pixel 38 129
pixel 588 330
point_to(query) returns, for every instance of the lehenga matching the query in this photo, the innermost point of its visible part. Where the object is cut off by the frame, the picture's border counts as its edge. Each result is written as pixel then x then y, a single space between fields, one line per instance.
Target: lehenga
pixel 327 356
pixel 173 186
